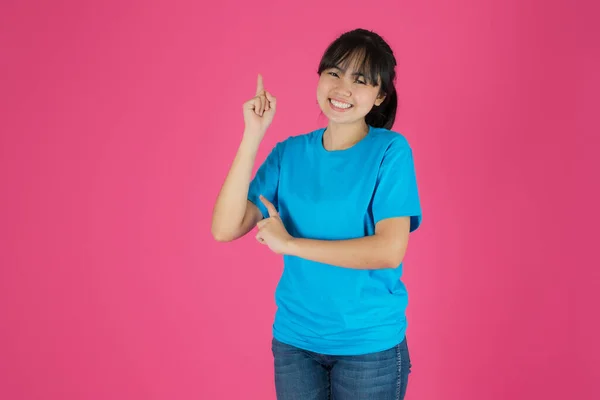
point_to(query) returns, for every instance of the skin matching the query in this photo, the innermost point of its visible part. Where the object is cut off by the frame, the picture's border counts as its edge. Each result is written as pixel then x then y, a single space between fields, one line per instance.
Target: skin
pixel 387 247
pixel 345 128
pixel 234 215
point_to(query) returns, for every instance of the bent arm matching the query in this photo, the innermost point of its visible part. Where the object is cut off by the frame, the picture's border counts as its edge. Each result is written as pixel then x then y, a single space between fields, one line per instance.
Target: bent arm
pixel 385 249
pixel 233 214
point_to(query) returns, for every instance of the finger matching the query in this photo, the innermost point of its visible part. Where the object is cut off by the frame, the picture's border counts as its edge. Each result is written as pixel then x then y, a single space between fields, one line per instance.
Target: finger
pixel 249 105
pixel 261 223
pixel 257 105
pixel 270 207
pixel 263 103
pixel 272 100
pixel 260 239
pixel 259 85
pixel 267 102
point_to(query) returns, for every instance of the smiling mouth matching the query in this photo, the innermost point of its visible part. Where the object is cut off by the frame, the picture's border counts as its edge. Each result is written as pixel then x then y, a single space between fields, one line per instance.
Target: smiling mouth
pixel 339 106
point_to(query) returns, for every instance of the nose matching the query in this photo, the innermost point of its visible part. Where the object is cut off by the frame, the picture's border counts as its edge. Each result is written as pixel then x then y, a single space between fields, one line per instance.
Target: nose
pixel 343 88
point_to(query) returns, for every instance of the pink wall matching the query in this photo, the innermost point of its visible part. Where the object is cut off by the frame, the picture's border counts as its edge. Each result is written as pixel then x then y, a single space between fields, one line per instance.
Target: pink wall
pixel 118 123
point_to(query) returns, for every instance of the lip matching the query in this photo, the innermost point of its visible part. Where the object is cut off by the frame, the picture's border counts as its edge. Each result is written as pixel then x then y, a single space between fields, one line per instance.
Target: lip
pixel 340 100
pixel 339 109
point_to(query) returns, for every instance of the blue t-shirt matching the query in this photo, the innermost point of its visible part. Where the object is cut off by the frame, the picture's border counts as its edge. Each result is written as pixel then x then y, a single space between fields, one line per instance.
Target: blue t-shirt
pixel 338 195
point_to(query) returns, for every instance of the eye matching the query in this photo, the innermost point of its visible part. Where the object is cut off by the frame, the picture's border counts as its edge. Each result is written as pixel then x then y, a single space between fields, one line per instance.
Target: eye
pixel 361 82
pixel 332 73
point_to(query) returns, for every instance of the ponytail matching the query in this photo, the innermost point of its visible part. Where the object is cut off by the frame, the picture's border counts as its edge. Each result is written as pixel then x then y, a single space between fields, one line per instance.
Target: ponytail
pixel 384 115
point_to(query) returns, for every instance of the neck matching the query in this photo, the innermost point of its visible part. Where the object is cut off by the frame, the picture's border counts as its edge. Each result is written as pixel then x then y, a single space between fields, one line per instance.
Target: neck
pixel 344 136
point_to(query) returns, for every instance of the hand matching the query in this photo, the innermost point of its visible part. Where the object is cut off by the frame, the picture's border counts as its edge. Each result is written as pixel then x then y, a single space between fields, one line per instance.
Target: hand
pixel 271 231
pixel 259 111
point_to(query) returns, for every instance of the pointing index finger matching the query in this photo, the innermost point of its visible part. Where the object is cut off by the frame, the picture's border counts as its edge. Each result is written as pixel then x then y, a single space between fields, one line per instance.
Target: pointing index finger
pixel 259 85
pixel 270 207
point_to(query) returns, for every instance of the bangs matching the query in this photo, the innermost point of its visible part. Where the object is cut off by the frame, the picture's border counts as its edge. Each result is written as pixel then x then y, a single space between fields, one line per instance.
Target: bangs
pixel 362 58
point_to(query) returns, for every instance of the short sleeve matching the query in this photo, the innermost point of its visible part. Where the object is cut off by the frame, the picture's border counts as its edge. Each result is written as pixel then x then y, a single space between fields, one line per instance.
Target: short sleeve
pixel 396 192
pixel 266 181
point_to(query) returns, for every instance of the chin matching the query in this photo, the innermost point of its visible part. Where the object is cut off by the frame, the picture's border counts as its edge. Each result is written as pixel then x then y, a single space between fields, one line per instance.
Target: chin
pixel 335 118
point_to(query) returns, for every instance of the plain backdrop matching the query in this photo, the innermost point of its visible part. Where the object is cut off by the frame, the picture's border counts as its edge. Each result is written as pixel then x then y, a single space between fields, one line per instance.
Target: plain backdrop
pixel 119 121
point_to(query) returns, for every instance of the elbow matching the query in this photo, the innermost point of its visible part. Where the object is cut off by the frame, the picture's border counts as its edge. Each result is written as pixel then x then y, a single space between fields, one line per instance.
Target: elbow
pixel 394 259
pixel 391 249
pixel 396 263
pixel 390 264
pixel 221 236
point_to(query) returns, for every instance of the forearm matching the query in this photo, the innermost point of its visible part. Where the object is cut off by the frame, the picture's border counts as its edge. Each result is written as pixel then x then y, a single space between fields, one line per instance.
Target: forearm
pixel 370 252
pixel 231 203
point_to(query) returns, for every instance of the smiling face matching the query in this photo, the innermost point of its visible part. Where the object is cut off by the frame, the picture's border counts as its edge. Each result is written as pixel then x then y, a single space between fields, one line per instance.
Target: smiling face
pixel 344 94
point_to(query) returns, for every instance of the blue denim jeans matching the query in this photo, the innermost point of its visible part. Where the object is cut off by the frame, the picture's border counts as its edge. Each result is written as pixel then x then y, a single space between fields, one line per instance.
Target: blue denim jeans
pixel 301 374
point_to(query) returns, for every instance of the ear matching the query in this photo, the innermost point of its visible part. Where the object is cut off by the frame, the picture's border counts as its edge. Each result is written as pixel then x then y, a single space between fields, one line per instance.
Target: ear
pixel 380 98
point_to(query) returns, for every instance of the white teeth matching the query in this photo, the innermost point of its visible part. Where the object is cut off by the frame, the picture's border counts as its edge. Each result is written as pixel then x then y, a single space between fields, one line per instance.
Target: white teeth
pixel 340 105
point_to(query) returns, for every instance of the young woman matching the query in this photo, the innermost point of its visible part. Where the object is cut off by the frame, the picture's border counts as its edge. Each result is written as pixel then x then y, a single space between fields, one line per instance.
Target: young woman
pixel 338 204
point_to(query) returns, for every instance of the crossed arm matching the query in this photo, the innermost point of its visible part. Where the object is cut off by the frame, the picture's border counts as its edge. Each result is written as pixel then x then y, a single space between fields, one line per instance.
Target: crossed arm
pixel 385 249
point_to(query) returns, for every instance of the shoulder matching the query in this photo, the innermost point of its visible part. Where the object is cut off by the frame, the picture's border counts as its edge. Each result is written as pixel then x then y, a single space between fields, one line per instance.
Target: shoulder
pixel 389 141
pixel 299 141
pixel 304 137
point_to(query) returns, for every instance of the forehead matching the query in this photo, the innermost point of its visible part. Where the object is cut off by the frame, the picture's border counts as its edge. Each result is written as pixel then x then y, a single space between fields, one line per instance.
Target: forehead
pixel 355 63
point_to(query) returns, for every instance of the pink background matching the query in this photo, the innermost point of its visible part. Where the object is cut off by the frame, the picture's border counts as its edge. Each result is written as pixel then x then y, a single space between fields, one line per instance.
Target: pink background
pixel 119 122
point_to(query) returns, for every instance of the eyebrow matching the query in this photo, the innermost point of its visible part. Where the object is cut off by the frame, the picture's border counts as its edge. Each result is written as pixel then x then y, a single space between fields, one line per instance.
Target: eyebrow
pixel 343 70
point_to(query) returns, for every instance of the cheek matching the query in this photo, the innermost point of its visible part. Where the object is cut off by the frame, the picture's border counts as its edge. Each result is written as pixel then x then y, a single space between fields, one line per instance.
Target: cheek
pixel 367 98
pixel 322 94
pixel 322 88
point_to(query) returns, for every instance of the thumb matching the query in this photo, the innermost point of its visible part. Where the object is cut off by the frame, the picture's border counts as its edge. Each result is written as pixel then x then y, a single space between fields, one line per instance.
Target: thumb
pixel 272 100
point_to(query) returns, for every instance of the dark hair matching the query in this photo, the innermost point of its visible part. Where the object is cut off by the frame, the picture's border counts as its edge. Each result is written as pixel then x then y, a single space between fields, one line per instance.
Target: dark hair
pixel 373 58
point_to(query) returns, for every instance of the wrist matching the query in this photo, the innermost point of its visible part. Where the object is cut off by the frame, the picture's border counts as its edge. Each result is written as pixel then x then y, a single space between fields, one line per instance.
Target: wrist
pixel 291 247
pixel 253 135
pixel 249 145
